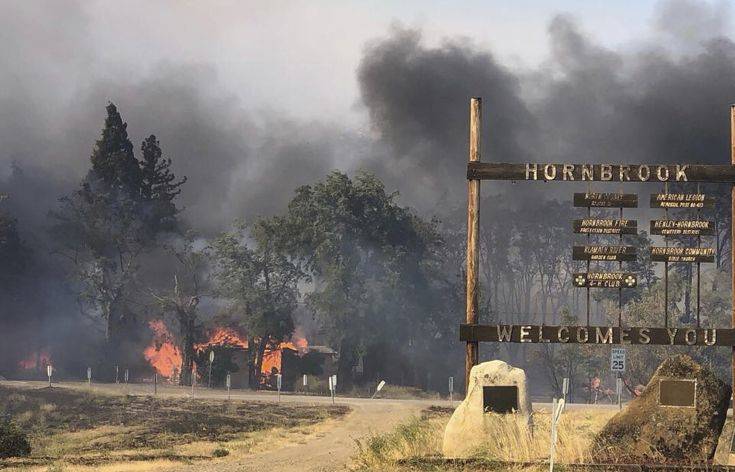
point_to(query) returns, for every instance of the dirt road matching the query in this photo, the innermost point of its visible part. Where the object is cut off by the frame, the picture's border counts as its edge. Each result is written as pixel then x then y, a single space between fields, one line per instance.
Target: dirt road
pixel 329 448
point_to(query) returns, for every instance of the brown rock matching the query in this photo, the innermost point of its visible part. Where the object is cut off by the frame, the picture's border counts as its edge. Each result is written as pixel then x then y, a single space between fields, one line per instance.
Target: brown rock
pixel 647 432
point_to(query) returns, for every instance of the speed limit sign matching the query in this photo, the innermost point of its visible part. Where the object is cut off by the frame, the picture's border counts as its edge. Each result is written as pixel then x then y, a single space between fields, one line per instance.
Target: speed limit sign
pixel 617 360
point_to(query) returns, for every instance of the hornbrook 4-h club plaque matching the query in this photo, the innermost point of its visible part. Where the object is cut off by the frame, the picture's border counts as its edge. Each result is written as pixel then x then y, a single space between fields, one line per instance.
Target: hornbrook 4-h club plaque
pixel 605 279
pixel 606 200
pixel 605 226
pixel 681 200
pixel 682 254
pixel 682 227
pixel 604 253
pixel 597 335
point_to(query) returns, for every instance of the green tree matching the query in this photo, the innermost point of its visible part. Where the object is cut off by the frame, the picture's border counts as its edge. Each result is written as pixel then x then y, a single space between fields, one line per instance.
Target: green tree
pixel 374 265
pixel 113 161
pixel 159 187
pixel 256 274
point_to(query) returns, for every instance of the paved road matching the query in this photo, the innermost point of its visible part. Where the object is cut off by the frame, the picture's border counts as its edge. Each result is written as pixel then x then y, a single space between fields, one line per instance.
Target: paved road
pixel 329 450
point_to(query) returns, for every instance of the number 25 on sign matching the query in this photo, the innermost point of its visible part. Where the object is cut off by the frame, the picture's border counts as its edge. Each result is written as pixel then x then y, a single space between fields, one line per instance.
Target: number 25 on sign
pixel 617 360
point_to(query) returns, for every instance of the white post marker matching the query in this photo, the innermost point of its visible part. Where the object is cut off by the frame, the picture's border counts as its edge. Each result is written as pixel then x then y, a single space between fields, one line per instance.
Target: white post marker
pixel 127 375
pixel 117 376
pixel 334 387
pixel 228 383
pixel 556 410
pixel 565 388
pixel 378 388
pixel 331 386
pixel 306 381
pixel 451 391
pixel 49 372
pixel 278 386
pixel 211 360
pixel 89 376
pixel 193 378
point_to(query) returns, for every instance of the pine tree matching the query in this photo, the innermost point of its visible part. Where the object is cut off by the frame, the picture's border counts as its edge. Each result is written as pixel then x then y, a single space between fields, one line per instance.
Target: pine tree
pixel 113 161
pixel 159 186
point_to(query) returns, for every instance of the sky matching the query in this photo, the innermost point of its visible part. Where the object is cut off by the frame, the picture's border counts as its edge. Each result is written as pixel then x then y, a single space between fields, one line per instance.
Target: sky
pixel 251 99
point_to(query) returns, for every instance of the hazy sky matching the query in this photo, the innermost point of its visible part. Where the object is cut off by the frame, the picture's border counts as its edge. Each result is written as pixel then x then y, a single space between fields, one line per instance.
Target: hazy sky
pixel 247 95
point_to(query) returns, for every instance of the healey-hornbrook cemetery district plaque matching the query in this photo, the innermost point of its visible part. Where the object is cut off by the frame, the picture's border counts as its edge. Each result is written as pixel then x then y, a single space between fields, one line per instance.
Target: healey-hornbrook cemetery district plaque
pixel 682 227
pixel 681 200
pixel 682 254
pixel 606 200
pixel 604 253
pixel 605 226
pixel 677 392
pixel 605 279
pixel 500 399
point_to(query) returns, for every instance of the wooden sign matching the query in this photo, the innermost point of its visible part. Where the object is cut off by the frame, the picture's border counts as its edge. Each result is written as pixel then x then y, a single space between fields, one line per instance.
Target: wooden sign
pixel 606 200
pixel 682 254
pixel 605 226
pixel 501 399
pixel 605 280
pixel 683 227
pixel 597 335
pixel 601 172
pixel 603 253
pixel 681 200
pixel 677 392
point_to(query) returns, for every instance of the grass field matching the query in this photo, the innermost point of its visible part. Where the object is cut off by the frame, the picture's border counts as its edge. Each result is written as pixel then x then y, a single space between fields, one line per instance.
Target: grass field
pixel 72 430
pixel 415 445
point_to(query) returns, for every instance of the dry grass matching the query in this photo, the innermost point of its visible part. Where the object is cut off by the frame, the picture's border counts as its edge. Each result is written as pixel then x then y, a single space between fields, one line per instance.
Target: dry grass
pixel 408 447
pixel 72 430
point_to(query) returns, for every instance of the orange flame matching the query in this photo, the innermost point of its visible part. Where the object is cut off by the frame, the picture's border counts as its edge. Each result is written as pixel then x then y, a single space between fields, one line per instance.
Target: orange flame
pixel 223 336
pixel 273 358
pixel 163 354
pixel 36 360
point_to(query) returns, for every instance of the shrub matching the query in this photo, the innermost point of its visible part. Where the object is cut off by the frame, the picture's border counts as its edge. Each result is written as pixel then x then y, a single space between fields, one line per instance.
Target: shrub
pixel 13 443
pixel 220 452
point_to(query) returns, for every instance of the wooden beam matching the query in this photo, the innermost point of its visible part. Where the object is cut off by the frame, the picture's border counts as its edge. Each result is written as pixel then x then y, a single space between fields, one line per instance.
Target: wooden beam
pixel 653 173
pixel 473 237
pixel 639 335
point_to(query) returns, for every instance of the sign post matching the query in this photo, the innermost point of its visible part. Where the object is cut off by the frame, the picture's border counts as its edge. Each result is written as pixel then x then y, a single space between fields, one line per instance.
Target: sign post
pixel 473 238
pixel 451 391
pixel 211 360
pixel 278 386
pixel 89 376
pixel 228 384
pixel 193 377
pixel 305 382
pixel 49 372
pixel 556 410
pixel 378 388
pixel 117 376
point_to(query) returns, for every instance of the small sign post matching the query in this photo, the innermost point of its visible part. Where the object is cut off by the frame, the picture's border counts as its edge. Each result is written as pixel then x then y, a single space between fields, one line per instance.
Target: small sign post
pixel 211 360
pixel 49 372
pixel 565 388
pixel 89 376
pixel 193 377
pixel 619 390
pixel 228 383
pixel 117 375
pixel 378 388
pixel 305 383
pixel 556 410
pixel 617 360
pixel 451 391
pixel 332 386
pixel 278 386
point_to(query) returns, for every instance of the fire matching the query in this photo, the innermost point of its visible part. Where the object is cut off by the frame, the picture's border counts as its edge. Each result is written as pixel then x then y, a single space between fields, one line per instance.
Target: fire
pixel 162 354
pixel 36 360
pixel 223 336
pixel 272 358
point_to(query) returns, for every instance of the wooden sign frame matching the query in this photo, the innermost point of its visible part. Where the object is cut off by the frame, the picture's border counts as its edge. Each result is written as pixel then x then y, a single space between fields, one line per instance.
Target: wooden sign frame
pixel 540 172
